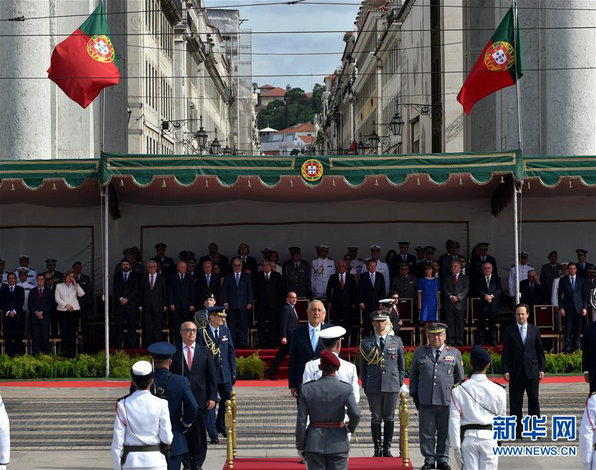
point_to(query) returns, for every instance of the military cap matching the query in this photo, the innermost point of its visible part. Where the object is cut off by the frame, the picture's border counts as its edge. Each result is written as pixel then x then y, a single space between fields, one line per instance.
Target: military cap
pixel 23 271
pixel 217 310
pixel 523 253
pixel 24 257
pixel 192 262
pixel 479 354
pixel 554 252
pixel 403 244
pixel 429 249
pixel 436 327
pixel 581 251
pixel 483 245
pixel 294 249
pixel 50 261
pixel 352 247
pixel 375 247
pixel 419 248
pixel 183 255
pixel 403 265
pixel 449 243
pixel 142 370
pixel 161 350
pixel 333 332
pixel 379 315
pixel 565 264
pixel 2 260
pixel 328 358
pixel 210 296
pixel 321 247
pixel 386 302
pixel 160 245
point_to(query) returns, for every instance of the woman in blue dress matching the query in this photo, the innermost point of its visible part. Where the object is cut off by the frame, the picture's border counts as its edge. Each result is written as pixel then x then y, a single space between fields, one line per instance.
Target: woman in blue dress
pixel 429 291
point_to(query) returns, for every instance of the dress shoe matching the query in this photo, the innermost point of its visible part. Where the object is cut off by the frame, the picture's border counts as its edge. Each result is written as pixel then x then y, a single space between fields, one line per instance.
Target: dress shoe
pixel 223 432
pixel 214 440
pixel 443 466
pixel 427 466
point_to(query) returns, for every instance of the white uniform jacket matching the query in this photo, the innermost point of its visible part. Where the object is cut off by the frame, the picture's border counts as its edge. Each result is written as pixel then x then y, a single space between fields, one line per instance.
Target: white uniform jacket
pixel 587 434
pixel 346 373
pixel 142 419
pixel 4 437
pixel 321 270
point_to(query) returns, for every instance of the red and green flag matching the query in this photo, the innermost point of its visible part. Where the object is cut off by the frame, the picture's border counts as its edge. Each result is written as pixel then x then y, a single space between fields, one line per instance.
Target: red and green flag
pixel 498 66
pixel 84 63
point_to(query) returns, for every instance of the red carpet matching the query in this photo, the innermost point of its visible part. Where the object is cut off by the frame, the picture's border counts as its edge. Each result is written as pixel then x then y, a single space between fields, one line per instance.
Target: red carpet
pixel 355 463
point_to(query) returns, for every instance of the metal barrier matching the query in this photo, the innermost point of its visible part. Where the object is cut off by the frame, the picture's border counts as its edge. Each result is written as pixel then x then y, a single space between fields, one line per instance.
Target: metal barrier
pixel 234 423
pixel 231 434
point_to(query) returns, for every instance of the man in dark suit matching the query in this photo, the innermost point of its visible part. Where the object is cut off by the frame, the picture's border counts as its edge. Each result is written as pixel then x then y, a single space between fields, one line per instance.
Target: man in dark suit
pixel 181 402
pixel 153 303
pixel 455 292
pixel 85 302
pixel 582 264
pixel 573 305
pixel 533 292
pixel 126 296
pixel 248 262
pixel 216 337
pixel 445 260
pixel 488 287
pixel 342 298
pixel 296 273
pixel 477 261
pixel 40 304
pixel 215 257
pixel 523 364
pixel 167 264
pixel 181 297
pixel 370 290
pixel 269 296
pixel 550 271
pixel 208 283
pixel 237 296
pixel 12 298
pixel 289 321
pixel 305 345
pixel 196 362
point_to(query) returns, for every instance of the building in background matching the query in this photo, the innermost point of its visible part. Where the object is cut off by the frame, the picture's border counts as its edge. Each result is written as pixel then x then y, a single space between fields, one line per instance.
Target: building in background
pixel 406 60
pixel 182 72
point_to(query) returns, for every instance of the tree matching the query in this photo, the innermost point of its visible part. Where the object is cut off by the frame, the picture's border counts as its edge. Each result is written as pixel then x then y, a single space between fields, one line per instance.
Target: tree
pixel 296 107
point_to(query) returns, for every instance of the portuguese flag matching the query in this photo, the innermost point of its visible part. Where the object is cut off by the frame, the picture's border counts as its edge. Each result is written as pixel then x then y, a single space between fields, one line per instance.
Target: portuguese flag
pixel 498 66
pixel 84 63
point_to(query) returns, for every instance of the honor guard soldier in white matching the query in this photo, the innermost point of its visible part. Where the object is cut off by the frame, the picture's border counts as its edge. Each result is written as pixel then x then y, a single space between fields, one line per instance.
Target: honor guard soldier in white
pixel 142 428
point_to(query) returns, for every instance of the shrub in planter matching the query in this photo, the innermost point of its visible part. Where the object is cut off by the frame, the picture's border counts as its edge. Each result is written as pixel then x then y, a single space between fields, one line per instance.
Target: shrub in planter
pixel 251 367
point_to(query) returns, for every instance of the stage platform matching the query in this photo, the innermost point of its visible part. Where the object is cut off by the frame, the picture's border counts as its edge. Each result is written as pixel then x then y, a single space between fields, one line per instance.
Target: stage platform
pixel 355 463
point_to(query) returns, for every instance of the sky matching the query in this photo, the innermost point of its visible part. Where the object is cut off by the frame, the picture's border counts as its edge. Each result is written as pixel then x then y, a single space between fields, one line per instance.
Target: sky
pixel 300 17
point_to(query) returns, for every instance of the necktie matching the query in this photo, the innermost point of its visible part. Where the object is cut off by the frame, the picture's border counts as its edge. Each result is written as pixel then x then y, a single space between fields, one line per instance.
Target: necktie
pixel 182 277
pixel 208 278
pixel 573 283
pixel 372 279
pixel 297 265
pixel 11 289
pixel 40 293
pixel 294 310
pixel 404 258
pixel 488 282
pixel 437 354
pixel 381 344
pixel 315 339
pixel 405 279
pixel 341 280
pixel 522 332
pixel 554 268
pixel 152 283
pixel 216 336
pixel 189 356
pixel 244 259
pixel 483 259
pixel 531 287
pixel 237 279
pixel 455 279
pixel 267 276
pixel 125 277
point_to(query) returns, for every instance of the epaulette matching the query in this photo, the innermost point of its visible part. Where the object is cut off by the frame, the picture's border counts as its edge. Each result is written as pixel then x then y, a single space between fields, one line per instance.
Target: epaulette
pixel 121 398
pixel 309 382
pixel 593 393
pixel 347 383
pixel 497 383
pixel 458 383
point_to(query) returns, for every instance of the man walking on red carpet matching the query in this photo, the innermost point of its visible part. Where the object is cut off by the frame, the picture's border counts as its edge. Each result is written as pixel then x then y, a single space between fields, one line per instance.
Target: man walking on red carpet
pixel 325 444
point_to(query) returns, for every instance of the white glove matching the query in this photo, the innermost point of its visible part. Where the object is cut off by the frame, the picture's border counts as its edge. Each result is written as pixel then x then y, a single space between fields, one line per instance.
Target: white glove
pixel 404 389
pixel 459 460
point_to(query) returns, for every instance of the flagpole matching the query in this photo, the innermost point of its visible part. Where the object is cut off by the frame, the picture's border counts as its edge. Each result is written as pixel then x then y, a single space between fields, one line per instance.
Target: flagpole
pixel 516 237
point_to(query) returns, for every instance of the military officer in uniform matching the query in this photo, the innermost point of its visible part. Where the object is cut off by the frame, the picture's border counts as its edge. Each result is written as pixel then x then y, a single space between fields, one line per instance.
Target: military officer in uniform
pixel 321 268
pixel 331 338
pixel 142 426
pixel 435 368
pixel 202 316
pixel 4 437
pixel 382 371
pixel 181 402
pixel 405 284
pixel 325 445
pixel 587 434
pixel 296 273
pixel 474 404
pixel 355 263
